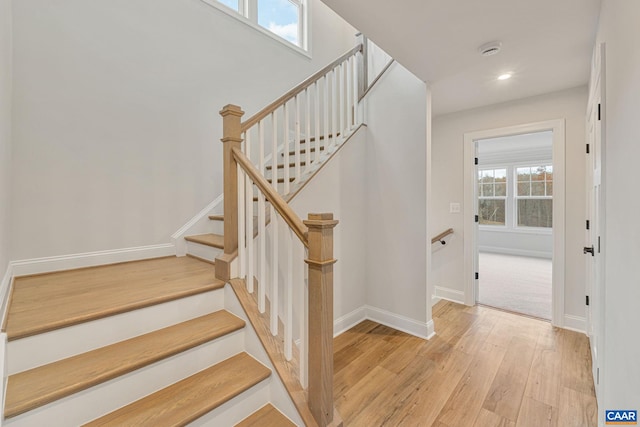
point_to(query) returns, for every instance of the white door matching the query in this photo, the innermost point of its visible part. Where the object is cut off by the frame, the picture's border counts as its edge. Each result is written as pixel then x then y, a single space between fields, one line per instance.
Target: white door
pixel 595 213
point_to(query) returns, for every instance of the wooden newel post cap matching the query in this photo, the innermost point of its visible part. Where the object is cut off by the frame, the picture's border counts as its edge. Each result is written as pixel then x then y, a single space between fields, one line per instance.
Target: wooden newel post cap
pixel 321 220
pixel 231 124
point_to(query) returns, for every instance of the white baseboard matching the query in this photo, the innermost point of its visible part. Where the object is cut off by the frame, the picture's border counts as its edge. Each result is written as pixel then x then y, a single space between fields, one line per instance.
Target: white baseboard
pixel 440 292
pixel 575 323
pixel 89 259
pixel 424 330
pixel 200 218
pixel 518 252
pixel 5 287
pixel 348 321
pixel 399 322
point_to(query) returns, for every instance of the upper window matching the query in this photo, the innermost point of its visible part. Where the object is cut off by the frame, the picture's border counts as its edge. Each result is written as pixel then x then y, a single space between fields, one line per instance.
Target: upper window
pixel 284 18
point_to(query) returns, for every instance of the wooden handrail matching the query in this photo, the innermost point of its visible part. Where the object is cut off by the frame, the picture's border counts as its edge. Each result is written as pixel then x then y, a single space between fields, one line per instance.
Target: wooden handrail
pixel 247 124
pixel 441 236
pixel 272 196
pixel 369 87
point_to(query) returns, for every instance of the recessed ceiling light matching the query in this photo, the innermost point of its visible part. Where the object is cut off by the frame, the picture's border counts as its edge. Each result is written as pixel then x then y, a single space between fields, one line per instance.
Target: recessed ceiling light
pixel 504 76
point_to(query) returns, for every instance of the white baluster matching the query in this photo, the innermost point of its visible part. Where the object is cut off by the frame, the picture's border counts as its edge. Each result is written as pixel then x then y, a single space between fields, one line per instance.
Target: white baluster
pixel 307 123
pixel 349 93
pixel 274 150
pixel 341 98
pixel 296 143
pixel 241 211
pixel 317 114
pixel 249 221
pixel 274 272
pixel 326 117
pixel 286 148
pixel 334 108
pixel 288 317
pixel 262 277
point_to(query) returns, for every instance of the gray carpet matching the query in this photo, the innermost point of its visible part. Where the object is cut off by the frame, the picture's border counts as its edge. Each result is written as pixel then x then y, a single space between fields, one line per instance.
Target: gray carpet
pixel 516 283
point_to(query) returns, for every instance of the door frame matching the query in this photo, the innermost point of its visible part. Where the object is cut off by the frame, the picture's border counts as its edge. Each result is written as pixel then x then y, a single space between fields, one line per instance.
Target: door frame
pixel 557 126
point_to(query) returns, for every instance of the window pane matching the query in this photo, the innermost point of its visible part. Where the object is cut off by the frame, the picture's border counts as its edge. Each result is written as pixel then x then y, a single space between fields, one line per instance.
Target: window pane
pixel 501 189
pixel 523 188
pixel 549 188
pixel 538 174
pixel 281 17
pixel 500 175
pixel 491 212
pixel 523 174
pixel 233 4
pixel 487 190
pixel 537 188
pixel 535 212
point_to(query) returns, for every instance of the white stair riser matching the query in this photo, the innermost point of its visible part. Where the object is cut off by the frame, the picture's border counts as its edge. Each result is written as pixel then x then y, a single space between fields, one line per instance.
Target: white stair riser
pixel 203 251
pixel 238 408
pixel 30 352
pixel 101 399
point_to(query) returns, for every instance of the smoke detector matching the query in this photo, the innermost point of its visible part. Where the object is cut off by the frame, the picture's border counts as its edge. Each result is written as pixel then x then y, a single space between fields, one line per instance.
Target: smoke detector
pixel 490 48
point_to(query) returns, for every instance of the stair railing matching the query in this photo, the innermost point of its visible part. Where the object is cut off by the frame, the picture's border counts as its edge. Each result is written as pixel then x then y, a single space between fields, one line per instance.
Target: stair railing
pixel 319 113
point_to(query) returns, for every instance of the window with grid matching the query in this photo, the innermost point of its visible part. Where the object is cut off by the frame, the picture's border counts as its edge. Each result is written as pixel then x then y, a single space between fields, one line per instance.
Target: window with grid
pixel 534 196
pixel 284 18
pixel 492 196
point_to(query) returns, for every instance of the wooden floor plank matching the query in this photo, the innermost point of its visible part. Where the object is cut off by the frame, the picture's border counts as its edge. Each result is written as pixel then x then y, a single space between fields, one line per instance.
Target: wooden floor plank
pixel 46 302
pixel 267 416
pixel 480 358
pixel 191 398
pixel 36 387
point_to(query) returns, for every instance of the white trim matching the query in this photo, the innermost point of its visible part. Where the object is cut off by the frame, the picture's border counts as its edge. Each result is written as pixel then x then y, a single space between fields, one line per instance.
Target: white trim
pixel 399 322
pixel 440 292
pixel 89 259
pixel 518 252
pixel 429 226
pixel 305 32
pixel 471 231
pixel 424 330
pixel 348 321
pixel 201 217
pixel 5 289
pixel 575 323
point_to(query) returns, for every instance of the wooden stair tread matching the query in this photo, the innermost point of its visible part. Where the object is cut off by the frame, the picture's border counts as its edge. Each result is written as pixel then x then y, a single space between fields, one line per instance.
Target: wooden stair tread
pixel 191 398
pixel 209 239
pixel 51 301
pixel 38 386
pixel 267 416
pixel 281 180
pixel 216 217
pixel 291 165
pixel 303 151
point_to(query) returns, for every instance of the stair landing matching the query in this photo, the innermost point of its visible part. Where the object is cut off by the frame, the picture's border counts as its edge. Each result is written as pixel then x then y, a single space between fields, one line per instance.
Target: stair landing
pixel 51 301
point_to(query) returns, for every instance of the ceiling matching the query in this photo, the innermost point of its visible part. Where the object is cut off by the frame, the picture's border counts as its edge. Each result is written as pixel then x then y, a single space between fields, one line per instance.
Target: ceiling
pixel 546 44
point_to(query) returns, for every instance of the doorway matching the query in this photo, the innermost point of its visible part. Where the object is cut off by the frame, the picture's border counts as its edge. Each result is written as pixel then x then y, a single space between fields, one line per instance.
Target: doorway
pixel 514 192
pixel 515 222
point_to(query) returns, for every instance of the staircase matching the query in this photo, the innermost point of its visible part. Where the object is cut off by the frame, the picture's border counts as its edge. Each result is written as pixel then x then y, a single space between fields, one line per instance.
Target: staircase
pixel 159 342
pixel 207 246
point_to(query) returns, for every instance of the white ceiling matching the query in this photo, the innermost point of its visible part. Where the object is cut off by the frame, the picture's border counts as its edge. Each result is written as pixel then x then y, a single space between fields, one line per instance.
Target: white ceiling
pixel 547 44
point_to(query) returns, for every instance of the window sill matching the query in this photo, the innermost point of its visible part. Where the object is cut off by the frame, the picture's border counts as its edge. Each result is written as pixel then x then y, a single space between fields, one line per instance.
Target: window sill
pixel 235 14
pixel 520 230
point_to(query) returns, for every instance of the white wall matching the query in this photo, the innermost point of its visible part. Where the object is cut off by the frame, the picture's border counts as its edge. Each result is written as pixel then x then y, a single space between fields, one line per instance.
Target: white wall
pixel 116 126
pixel 620 31
pixel 447 167
pixel 396 195
pixel 516 243
pixel 340 188
pixel 5 131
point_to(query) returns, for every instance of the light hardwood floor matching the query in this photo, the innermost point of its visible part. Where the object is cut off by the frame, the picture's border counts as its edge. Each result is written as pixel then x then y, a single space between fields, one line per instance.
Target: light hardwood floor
pixel 483 368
